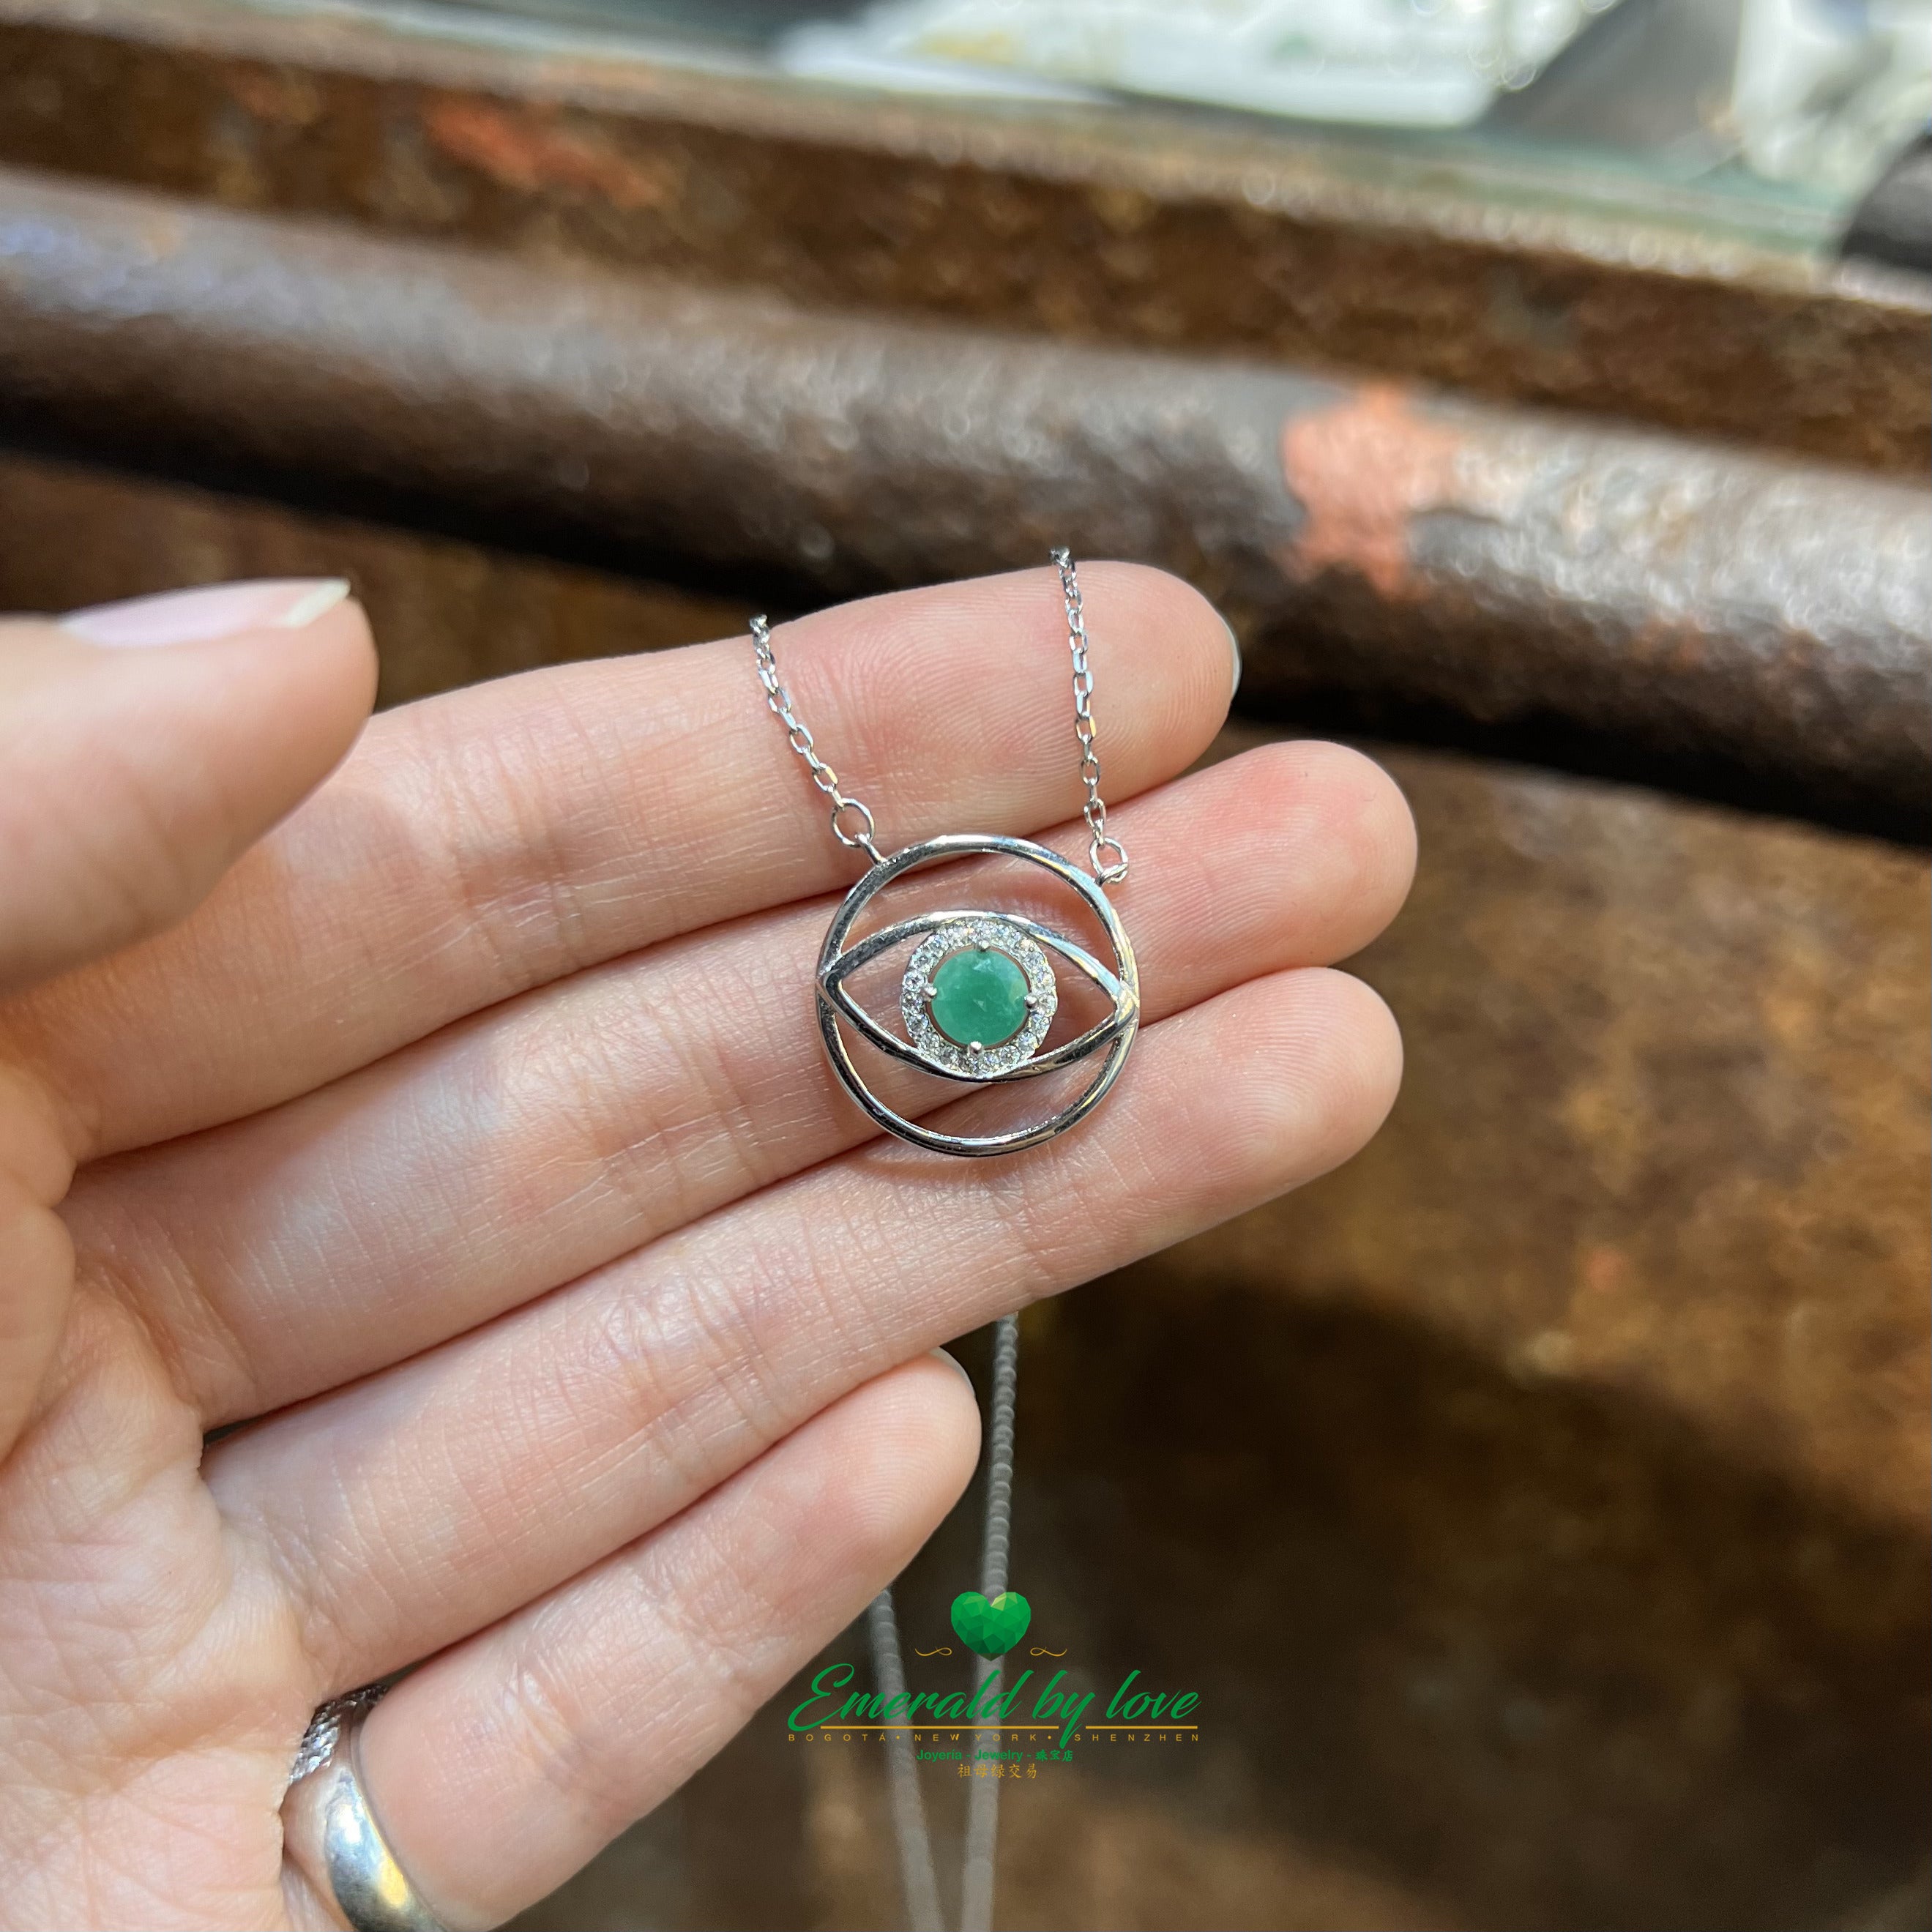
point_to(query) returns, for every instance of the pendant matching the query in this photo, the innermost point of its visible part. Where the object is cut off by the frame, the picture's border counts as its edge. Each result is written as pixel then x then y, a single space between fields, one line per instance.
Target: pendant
pixel 978 995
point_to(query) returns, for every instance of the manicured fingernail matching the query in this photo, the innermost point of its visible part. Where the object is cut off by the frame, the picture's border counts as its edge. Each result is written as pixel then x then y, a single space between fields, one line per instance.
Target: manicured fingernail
pixel 199 616
pixel 1233 645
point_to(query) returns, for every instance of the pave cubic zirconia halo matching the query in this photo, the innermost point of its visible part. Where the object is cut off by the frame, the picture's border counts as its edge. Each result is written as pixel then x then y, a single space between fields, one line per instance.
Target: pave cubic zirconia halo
pixel 977 1059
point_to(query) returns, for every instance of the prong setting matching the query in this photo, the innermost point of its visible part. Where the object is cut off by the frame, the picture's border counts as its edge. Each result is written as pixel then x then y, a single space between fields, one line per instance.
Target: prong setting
pixel 985 932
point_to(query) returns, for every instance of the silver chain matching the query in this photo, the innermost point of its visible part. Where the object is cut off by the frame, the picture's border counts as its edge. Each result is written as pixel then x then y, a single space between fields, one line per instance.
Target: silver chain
pixel 852 819
pixel 983 1796
pixel 823 775
pixel 1106 872
pixel 917 1873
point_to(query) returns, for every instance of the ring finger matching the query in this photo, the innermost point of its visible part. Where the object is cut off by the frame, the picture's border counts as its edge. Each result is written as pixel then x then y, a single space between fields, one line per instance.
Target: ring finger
pixel 502 1766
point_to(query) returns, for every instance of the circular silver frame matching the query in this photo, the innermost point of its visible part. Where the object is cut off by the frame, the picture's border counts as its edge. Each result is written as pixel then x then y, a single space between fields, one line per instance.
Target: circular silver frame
pixel 1120 983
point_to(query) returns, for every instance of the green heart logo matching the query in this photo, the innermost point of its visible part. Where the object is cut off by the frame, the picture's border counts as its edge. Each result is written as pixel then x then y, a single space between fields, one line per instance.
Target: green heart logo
pixel 991 1629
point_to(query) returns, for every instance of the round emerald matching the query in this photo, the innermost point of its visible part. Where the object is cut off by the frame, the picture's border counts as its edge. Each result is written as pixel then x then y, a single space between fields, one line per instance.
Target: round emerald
pixel 979 997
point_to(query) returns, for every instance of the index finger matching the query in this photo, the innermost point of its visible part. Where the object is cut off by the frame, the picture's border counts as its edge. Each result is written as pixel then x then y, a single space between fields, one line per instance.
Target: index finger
pixel 477 844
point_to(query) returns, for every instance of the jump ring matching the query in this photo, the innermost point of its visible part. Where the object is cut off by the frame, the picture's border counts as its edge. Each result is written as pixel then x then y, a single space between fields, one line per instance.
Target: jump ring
pixel 1106 872
pixel 864 835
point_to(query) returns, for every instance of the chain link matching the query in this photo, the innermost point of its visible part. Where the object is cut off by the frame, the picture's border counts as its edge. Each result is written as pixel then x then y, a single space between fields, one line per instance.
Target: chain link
pixel 1106 872
pixel 852 821
pixel 860 838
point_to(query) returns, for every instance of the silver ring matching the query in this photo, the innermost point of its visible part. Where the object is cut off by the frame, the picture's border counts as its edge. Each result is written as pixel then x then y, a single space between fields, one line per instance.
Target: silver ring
pixel 329 1830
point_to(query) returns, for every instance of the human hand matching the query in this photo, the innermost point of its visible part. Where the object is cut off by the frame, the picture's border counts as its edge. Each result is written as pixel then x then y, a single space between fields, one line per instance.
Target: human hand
pixel 466 1136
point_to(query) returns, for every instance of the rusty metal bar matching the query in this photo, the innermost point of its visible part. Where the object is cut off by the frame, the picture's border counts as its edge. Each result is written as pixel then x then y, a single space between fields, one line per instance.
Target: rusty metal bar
pixel 1519 276
pixel 1698 608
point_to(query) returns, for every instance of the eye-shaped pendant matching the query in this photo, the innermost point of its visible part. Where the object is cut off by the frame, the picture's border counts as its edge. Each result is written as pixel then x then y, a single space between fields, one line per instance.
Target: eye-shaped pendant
pixel 978 995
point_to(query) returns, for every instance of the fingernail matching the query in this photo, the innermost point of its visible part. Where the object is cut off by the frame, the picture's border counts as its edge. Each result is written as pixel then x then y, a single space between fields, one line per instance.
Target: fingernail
pixel 200 616
pixel 1233 645
pixel 940 1355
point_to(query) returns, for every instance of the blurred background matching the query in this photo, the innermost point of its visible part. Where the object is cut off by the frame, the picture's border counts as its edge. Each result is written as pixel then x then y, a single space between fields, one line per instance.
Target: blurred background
pixel 1539 1504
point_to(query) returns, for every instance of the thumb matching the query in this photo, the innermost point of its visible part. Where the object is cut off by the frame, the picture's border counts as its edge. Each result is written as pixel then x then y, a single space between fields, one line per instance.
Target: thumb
pixel 143 747
pixel 147 745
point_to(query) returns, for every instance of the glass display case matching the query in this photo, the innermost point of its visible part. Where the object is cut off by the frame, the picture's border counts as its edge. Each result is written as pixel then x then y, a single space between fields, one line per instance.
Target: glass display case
pixel 1785 113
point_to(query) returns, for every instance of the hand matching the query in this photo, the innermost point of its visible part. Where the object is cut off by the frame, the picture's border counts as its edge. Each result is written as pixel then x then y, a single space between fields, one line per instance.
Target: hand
pixel 466 1136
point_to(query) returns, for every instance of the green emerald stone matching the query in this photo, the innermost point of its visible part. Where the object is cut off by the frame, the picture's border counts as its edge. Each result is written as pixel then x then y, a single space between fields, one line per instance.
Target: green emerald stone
pixel 979 997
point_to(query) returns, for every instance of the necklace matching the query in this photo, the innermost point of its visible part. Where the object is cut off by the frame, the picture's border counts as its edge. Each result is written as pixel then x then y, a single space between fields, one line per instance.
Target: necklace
pixel 978 995
pixel 978 998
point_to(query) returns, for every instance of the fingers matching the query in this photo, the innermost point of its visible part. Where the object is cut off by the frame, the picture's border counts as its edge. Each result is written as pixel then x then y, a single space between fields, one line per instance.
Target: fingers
pixel 435 1497
pixel 488 841
pixel 555 1133
pixel 147 745
pixel 503 1765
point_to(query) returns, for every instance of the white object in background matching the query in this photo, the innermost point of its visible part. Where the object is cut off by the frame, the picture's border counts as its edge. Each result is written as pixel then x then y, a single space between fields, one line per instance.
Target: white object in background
pixel 1408 63
pixel 1826 92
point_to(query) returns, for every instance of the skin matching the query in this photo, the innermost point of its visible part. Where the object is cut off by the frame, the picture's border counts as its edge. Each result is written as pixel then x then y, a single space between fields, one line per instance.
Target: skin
pixel 432 1107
